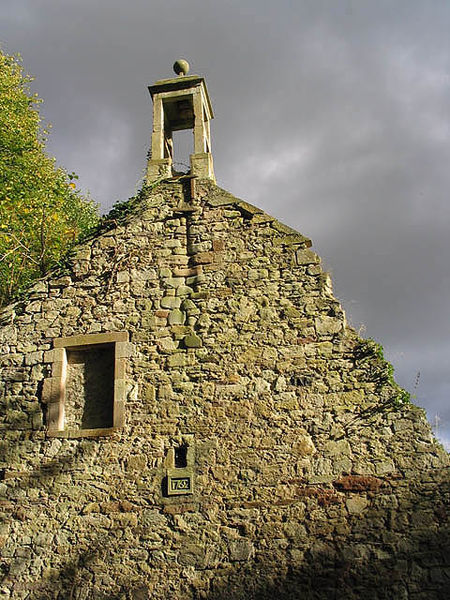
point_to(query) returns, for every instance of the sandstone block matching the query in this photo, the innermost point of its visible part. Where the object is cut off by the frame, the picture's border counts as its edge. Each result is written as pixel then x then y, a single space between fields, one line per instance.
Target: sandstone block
pixel 167 344
pixel 174 282
pixel 184 290
pixel 170 302
pixel 356 504
pixel 54 418
pixel 123 277
pixel 177 317
pixel 55 355
pixel 240 550
pixel 186 271
pixel 192 341
pixel 178 360
pixel 304 446
pixel 328 325
pixel 51 390
pixel 306 257
pixel 124 349
pixel 203 258
pixel 119 412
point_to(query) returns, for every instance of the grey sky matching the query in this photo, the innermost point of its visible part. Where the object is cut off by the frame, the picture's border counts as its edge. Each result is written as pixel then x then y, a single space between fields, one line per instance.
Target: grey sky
pixel 332 115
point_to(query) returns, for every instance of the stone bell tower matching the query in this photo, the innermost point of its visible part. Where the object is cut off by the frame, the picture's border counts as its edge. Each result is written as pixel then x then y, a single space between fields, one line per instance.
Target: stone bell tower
pixel 180 103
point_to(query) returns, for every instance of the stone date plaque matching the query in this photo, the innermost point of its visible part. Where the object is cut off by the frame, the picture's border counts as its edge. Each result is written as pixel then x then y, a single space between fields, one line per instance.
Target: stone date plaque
pixel 179 481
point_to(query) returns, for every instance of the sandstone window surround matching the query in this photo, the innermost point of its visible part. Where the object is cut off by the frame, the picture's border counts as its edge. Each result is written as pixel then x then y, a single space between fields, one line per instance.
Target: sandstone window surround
pixel 85 396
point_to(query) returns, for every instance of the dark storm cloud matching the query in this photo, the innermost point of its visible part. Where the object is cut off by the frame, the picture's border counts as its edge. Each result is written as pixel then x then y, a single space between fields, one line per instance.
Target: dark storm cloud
pixel 331 115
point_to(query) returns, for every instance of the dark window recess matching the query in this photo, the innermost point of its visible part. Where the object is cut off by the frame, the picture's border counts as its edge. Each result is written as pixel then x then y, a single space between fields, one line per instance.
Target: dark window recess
pixel 181 457
pixel 89 394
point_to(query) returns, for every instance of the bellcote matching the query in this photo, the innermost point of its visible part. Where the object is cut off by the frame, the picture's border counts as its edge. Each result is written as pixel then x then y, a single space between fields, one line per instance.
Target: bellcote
pixel 180 103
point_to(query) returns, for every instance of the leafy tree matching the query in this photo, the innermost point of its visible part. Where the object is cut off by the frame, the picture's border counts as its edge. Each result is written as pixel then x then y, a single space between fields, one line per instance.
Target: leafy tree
pixel 41 212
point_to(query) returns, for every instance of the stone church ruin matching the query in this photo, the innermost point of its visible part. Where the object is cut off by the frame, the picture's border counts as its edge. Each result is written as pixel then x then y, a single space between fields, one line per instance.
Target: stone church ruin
pixel 187 414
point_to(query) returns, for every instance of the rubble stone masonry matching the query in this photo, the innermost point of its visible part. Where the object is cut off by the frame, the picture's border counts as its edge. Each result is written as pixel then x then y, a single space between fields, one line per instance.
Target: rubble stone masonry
pixel 253 446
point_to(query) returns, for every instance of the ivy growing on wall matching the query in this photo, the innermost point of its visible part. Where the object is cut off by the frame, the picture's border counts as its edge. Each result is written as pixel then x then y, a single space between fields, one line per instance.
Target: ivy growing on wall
pixel 369 356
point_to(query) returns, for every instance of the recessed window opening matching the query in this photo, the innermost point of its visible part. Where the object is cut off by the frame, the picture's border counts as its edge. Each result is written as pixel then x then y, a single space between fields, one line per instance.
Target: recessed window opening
pixel 183 147
pixel 85 395
pixel 181 457
pixel 89 392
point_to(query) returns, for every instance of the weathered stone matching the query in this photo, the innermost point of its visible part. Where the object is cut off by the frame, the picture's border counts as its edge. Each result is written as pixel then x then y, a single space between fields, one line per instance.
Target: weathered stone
pixel 192 341
pixel 167 344
pixel 137 462
pixel 124 350
pixel 306 257
pixel 170 302
pixel 328 325
pixel 174 282
pixel 203 258
pixel 356 504
pixel 184 290
pixel 292 240
pixel 240 550
pixel 123 277
pixel 178 360
pixel 304 446
pixel 177 317
pixel 337 448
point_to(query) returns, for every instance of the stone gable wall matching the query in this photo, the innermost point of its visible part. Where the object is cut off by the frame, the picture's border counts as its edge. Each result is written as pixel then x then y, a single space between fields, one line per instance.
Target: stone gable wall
pixel 311 478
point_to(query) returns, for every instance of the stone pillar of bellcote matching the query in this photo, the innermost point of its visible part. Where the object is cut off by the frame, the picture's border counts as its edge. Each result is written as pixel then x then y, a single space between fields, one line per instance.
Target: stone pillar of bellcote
pixel 180 103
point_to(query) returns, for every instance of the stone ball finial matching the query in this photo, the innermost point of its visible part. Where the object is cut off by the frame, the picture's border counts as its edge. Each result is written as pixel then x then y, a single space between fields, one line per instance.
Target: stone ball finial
pixel 181 67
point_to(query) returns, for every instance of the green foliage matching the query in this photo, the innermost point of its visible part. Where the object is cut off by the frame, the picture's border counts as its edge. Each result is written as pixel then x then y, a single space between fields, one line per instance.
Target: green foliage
pixel 42 214
pixel 369 353
pixel 121 210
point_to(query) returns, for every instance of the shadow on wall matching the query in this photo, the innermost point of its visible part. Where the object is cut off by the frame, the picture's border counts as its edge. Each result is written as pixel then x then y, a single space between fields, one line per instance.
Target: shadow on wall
pixel 44 474
pixel 363 562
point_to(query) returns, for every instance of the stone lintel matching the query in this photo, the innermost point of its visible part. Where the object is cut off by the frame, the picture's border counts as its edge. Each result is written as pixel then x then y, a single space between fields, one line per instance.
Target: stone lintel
pixel 90 339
